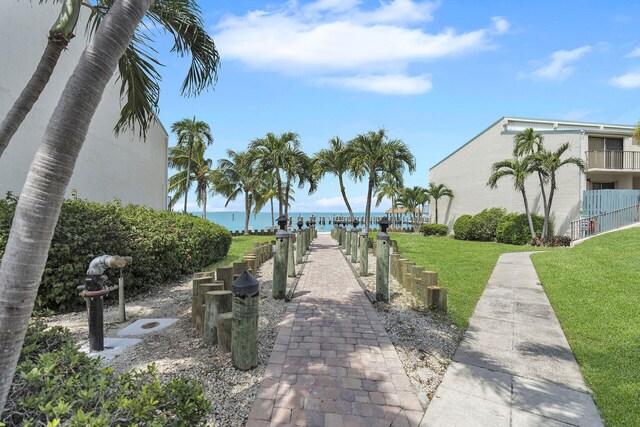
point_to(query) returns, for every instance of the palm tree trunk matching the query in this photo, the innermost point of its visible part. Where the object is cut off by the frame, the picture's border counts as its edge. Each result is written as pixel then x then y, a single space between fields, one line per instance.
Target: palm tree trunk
pixel 394 215
pixel 247 212
pixel 273 222
pixel 548 212
pixel 279 182
pixel 526 209
pixel 32 90
pixel 436 200
pixel 186 191
pixel 204 204
pixel 367 214
pixel 344 196
pixel 286 196
pixel 39 205
pixel 544 203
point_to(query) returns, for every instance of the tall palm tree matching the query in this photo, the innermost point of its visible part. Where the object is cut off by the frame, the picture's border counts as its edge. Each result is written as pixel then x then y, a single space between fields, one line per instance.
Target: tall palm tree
pixel 529 143
pixel 299 169
pixel 335 160
pixel 40 202
pixel 423 199
pixel 550 162
pixel 389 187
pixel 273 154
pixel 519 170
pixel 200 171
pixel 237 175
pixel 374 154
pixel 410 199
pixel 137 67
pixel 195 136
pixel 264 194
pixel 438 191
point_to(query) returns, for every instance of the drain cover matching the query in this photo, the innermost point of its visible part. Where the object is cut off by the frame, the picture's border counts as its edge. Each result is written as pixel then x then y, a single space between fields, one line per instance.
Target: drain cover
pixel 150 325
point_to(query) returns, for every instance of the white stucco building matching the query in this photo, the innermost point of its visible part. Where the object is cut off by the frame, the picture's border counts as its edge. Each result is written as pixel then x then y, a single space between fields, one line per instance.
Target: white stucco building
pixel 612 158
pixel 123 167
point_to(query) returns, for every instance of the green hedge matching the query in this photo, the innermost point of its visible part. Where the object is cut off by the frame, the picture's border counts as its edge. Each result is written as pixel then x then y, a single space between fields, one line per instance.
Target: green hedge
pixel 514 228
pixel 164 246
pixel 462 228
pixel 434 229
pixel 55 384
pixel 484 224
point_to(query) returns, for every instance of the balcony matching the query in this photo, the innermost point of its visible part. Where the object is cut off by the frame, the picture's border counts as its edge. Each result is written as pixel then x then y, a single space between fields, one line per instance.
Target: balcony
pixel 613 160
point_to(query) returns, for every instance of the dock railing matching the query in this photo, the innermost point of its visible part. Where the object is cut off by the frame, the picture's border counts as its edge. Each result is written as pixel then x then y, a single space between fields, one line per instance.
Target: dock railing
pixel 595 224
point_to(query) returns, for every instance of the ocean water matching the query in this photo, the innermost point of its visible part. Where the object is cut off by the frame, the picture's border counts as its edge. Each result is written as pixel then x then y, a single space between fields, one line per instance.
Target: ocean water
pixel 234 221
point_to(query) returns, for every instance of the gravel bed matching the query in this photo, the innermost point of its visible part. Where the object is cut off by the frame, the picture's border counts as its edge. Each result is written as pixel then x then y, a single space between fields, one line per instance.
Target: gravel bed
pixel 424 340
pixel 178 349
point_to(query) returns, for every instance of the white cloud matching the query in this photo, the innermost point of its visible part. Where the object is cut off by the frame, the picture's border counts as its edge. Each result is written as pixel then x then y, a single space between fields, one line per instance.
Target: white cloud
pixel 387 84
pixel 330 39
pixel 559 68
pixel 626 81
pixel 634 53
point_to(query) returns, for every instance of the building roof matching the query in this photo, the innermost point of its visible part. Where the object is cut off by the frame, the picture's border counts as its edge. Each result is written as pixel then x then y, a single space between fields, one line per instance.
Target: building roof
pixel 518 124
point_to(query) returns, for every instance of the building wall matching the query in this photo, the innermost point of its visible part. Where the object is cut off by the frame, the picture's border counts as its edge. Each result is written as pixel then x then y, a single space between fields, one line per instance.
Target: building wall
pixel 123 167
pixel 467 171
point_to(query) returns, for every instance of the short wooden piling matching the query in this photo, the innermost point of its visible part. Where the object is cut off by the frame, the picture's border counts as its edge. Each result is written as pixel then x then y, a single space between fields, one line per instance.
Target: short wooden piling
pixel 225 323
pixel 216 303
pixel 437 298
pixel 225 274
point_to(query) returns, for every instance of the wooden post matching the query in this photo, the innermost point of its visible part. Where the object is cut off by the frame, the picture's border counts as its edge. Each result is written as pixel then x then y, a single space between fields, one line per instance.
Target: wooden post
pixel 240 267
pixel 430 278
pixel 437 298
pixel 402 267
pixel 354 245
pixel 216 303
pixel 364 254
pixel 291 261
pixel 203 288
pixel 408 280
pixel 204 274
pixel 252 262
pixel 279 288
pixel 394 264
pixel 244 332
pixel 225 322
pixel 416 270
pixel 347 248
pixel 225 274
pixel 382 267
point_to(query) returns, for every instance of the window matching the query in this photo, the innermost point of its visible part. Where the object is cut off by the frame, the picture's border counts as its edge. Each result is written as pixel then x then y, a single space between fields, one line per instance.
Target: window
pixel 603 185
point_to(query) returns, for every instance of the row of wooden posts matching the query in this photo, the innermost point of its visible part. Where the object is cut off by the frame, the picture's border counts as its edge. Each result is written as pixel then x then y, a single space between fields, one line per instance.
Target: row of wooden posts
pixel 227 319
pixel 421 283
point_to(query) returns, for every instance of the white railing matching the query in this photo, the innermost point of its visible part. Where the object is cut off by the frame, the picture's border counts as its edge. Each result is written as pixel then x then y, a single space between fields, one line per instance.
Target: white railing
pixel 596 224
pixel 609 159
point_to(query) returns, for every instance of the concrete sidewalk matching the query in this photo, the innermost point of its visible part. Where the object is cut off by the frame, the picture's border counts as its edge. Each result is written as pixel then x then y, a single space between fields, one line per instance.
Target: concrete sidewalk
pixel 333 363
pixel 514 366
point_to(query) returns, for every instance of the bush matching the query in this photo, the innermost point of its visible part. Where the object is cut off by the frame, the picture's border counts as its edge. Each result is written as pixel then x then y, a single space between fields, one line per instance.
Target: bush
pixel 164 246
pixel 462 228
pixel 485 223
pixel 434 229
pixel 513 228
pixel 552 242
pixel 55 384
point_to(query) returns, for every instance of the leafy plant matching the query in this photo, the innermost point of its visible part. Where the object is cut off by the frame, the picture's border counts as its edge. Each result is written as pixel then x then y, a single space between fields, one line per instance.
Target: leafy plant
pixel 55 384
pixel 484 224
pixel 462 228
pixel 434 229
pixel 164 245
pixel 514 228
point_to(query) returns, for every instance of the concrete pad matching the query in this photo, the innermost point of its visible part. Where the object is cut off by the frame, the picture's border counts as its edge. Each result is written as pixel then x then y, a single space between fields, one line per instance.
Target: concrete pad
pixel 555 402
pixel 450 408
pixel 494 326
pixel 112 347
pixel 486 350
pixel 493 308
pixel 479 382
pixel 145 326
pixel 527 419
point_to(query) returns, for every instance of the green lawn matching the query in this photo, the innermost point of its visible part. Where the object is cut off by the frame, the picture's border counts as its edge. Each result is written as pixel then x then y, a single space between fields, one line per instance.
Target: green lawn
pixel 595 291
pixel 239 245
pixel 463 267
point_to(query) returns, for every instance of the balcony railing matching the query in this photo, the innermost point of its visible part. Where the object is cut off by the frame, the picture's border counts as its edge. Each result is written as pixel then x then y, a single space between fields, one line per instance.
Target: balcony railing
pixel 607 159
pixel 595 224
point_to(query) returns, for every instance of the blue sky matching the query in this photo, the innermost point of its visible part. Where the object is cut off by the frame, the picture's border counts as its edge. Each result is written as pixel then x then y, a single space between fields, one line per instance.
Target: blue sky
pixel 434 74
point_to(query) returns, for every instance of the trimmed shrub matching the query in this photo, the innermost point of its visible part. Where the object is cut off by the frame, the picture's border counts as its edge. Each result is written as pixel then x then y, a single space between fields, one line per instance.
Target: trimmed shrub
pixel 462 228
pixel 513 228
pixel 164 246
pixel 552 242
pixel 434 229
pixel 55 384
pixel 485 224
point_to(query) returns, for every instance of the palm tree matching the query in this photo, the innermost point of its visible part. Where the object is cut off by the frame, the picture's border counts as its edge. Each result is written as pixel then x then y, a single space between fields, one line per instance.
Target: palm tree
pixel 550 162
pixel 273 154
pixel 528 143
pixel 438 191
pixel 423 199
pixel 388 187
pixel 139 78
pixel 373 154
pixel 40 202
pixel 201 172
pixel 193 135
pixel 519 170
pixel 264 194
pixel 410 199
pixel 237 175
pixel 335 160
pixel 299 168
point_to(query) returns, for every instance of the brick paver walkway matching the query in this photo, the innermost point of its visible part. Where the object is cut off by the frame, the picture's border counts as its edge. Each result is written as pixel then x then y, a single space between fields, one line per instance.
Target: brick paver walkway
pixel 333 363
